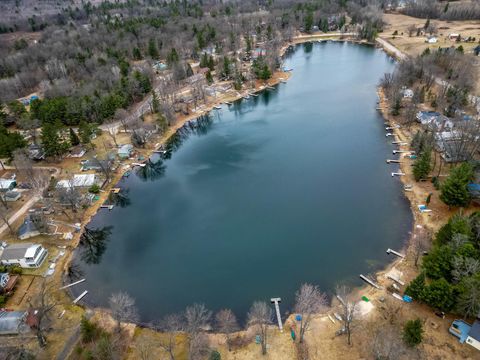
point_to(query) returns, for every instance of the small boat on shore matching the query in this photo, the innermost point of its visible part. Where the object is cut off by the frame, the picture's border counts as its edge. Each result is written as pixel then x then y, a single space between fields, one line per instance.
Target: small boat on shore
pixel 269 87
pixel 216 107
pixel 228 103
pixel 246 97
pixel 253 94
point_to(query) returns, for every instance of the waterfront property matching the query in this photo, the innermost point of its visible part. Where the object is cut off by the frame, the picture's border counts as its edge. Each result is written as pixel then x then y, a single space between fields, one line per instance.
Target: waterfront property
pixel 255 199
pixel 28 229
pixel 466 333
pixel 125 151
pixel 23 255
pixel 80 180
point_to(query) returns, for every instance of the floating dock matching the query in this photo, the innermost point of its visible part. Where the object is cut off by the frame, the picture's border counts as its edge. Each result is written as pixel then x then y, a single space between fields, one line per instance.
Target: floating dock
pixel 399 143
pixel 368 281
pixel 390 251
pixel 390 161
pixel 80 297
pixel 72 284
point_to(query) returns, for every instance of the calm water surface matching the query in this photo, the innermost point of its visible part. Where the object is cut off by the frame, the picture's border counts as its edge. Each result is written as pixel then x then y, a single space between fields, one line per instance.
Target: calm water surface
pixel 285 188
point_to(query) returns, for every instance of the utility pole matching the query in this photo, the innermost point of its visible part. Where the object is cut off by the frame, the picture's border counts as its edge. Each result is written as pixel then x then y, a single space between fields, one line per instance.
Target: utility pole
pixel 277 301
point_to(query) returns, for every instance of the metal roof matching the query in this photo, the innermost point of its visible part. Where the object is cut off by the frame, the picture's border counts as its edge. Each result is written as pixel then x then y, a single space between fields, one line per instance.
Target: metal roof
pixel 15 251
pixel 475 330
pixel 11 321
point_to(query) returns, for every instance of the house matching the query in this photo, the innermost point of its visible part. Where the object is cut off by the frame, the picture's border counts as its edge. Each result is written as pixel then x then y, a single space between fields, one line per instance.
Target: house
pixel 77 152
pixel 453 36
pixel 125 151
pixel 432 40
pixel 7 184
pixel 7 282
pixel 12 196
pixel 95 164
pixel 12 322
pixel 473 338
pixel 28 229
pixel 466 333
pixel 24 255
pixel 79 180
pixel 159 66
pixel 258 52
pixel 434 119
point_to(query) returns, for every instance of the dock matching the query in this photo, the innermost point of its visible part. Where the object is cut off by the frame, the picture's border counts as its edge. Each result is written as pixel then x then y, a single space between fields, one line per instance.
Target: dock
pixel 399 143
pixel 370 282
pixel 398 281
pixel 72 284
pixel 390 251
pixel 109 207
pixel 139 164
pixel 270 87
pixel 389 134
pixel 402 152
pixel 80 297
pixel 391 161
pixel 115 190
pixel 276 301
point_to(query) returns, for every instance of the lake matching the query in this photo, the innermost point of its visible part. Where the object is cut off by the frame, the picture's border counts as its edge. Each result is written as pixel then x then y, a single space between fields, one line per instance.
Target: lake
pixel 259 197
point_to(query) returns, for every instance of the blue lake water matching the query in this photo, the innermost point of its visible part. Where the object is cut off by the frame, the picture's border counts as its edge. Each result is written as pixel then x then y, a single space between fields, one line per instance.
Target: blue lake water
pixel 287 187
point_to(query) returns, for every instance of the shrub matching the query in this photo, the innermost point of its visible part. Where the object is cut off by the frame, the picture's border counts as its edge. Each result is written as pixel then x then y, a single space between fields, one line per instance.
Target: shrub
pixel 215 355
pixel 3 300
pixel 17 270
pixel 413 332
pixel 94 189
pixel 88 330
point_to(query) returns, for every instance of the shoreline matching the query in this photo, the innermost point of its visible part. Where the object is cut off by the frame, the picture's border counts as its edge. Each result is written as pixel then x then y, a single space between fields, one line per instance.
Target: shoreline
pixel 277 78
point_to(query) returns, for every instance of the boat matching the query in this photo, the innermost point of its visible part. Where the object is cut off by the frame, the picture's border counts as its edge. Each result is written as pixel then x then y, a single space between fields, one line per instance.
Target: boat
pixel 252 94
pixel 228 103
pixel 283 81
pixel 216 107
pixel 270 87
pixel 246 97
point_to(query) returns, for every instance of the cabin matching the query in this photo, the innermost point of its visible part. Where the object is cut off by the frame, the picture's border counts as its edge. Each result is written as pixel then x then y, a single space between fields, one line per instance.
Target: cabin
pixel 453 36
pixel 125 151
pixel 12 322
pixel 23 255
pixel 79 180
pixel 28 229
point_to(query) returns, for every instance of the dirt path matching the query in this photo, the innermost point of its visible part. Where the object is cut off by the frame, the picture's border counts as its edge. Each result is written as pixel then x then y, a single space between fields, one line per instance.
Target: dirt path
pixel 391 49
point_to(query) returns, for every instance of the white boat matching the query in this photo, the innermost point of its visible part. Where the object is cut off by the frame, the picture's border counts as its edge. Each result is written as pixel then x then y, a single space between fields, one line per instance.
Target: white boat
pixel 217 107
pixel 228 103
pixel 252 94
pixel 246 97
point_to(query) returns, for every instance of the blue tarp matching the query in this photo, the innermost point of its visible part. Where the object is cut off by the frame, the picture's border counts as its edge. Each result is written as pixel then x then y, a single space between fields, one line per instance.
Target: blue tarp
pixel 473 187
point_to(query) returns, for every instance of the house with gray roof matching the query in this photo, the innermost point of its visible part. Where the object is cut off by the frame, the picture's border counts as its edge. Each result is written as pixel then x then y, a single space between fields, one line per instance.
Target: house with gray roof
pixel 473 337
pixel 28 229
pixel 23 255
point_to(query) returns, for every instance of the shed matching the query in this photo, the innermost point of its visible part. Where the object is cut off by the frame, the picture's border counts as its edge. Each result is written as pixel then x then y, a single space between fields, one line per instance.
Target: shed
pixel 12 322
pixel 77 151
pixel 12 196
pixel 125 151
pixel 79 180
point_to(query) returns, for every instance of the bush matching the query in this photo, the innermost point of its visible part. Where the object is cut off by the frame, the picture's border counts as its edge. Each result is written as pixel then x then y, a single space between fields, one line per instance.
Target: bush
pixel 413 332
pixel 16 270
pixel 94 189
pixel 89 330
pixel 3 300
pixel 215 355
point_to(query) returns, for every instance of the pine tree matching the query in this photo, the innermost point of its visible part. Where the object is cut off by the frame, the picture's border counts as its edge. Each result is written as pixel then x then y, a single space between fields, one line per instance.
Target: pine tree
pixel 454 191
pixel 137 55
pixel 422 166
pixel 155 102
pixel 416 287
pixel 85 131
pixel 74 140
pixel 52 142
pixel 209 77
pixel 413 332
pixel 152 49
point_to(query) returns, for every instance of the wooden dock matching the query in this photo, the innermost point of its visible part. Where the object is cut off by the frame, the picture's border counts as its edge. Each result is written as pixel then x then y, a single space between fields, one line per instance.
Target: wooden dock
pixel 398 281
pixel 276 301
pixel 392 161
pixel 72 284
pixel 80 297
pixel 390 251
pixel 370 282
pixel 399 143
pixel 398 174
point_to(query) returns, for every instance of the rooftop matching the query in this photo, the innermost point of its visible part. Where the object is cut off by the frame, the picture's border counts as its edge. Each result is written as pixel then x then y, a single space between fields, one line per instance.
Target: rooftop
pixel 11 321
pixel 15 251
pixel 475 330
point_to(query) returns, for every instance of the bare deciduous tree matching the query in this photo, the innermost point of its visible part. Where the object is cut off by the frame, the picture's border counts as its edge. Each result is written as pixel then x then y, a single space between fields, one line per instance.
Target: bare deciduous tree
pixel 309 300
pixel 348 309
pixel 420 243
pixel 197 318
pixel 43 303
pixel 5 217
pixel 171 325
pixel 260 316
pixel 123 308
pixel 226 323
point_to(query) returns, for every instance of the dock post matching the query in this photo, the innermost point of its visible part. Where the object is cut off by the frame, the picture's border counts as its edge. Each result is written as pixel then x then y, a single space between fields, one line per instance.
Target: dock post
pixel 276 301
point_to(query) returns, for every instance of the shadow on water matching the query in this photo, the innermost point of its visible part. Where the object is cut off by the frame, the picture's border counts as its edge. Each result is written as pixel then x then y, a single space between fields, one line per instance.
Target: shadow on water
pixel 93 244
pixel 152 170
pixel 120 199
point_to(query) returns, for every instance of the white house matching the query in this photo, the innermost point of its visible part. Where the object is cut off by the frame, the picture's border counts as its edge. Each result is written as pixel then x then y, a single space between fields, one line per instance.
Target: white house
pixel 473 337
pixel 24 255
pixel 432 40
pixel 7 184
pixel 408 93
pixel 79 180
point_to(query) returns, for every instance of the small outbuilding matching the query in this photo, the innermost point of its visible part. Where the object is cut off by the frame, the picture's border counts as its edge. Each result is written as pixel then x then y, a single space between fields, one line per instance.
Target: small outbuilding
pixel 12 322
pixel 125 151
pixel 12 196
pixel 28 229
pixel 7 184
